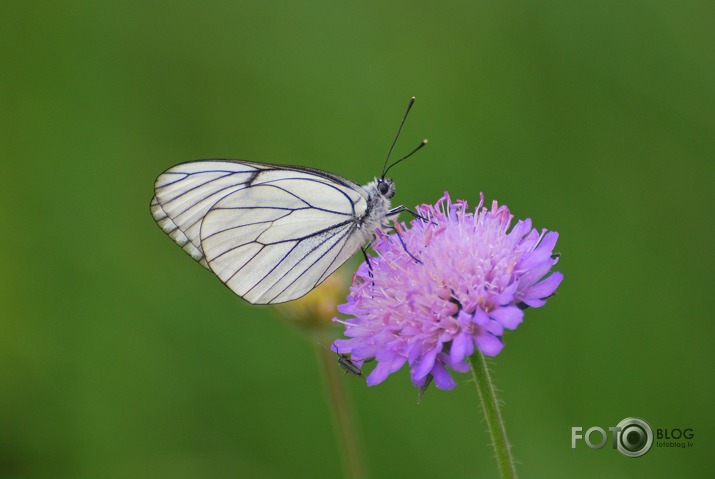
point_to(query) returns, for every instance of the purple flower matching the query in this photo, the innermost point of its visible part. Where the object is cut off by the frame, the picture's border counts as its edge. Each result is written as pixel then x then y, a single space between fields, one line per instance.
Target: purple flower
pixel 458 281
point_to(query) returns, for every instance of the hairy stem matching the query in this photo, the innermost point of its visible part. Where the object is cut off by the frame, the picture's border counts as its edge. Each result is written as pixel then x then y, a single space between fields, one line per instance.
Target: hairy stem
pixel 343 415
pixel 495 423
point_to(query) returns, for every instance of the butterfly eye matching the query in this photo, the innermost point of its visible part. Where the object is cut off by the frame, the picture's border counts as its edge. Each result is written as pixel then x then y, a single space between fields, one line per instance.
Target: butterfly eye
pixel 386 188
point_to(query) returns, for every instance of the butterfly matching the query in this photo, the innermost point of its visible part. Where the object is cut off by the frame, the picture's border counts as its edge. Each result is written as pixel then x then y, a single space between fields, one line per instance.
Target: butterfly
pixel 271 233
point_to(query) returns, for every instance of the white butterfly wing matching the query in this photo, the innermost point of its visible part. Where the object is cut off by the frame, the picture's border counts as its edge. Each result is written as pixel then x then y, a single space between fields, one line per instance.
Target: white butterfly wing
pixel 270 233
pixel 184 194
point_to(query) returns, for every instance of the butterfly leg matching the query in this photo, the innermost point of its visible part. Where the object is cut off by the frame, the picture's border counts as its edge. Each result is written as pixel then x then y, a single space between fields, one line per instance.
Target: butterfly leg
pixel 365 255
pixel 404 246
pixel 399 209
pixel 367 258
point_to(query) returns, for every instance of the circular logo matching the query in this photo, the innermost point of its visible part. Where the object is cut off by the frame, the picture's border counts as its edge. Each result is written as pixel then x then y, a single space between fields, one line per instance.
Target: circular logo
pixel 635 437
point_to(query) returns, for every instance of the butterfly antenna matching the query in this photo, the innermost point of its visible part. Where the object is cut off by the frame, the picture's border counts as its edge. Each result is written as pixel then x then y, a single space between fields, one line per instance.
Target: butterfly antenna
pixel 424 142
pixel 409 107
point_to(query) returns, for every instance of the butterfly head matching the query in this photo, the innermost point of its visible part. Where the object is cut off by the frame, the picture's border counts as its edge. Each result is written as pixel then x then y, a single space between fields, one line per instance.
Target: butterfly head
pixel 386 187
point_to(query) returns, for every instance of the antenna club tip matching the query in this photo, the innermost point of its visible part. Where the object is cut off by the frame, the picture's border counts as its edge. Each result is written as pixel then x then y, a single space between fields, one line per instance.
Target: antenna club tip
pixel 425 141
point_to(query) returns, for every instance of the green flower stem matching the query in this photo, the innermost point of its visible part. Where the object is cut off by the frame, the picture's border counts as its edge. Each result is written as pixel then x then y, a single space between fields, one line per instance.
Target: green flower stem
pixel 490 404
pixel 343 418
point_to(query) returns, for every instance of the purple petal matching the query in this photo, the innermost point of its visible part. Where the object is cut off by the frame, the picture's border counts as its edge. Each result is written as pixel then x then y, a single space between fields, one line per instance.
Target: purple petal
pixel 481 318
pixel 508 316
pixel 384 369
pixel 342 346
pixel 426 363
pixel 549 240
pixel 378 374
pixel 534 303
pixel 535 258
pixel 397 363
pixel 442 378
pixel 414 352
pixel 545 288
pixel 461 366
pixel 461 346
pixel 489 345
pixel 506 296
pixel 533 275
pixel 347 308
pixel 494 327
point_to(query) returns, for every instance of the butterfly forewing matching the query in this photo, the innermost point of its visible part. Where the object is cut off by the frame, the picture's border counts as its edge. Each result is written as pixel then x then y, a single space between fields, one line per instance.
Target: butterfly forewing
pixel 184 194
pixel 270 233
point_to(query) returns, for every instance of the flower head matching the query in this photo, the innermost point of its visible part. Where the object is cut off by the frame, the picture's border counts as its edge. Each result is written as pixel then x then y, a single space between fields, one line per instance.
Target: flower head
pixel 450 283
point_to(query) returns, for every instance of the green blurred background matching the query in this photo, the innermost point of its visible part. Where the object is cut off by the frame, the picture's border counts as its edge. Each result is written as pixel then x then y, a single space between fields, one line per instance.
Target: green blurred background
pixel 120 357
